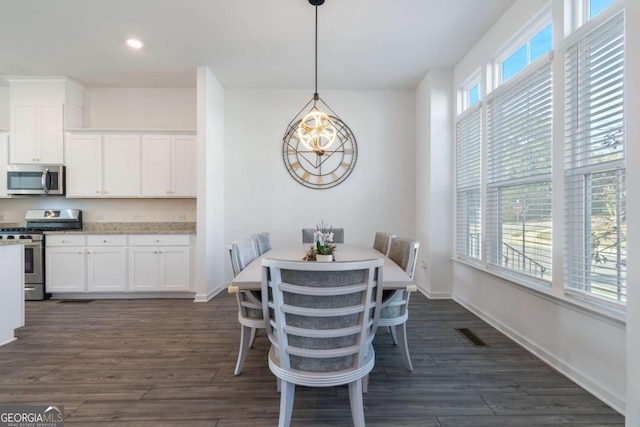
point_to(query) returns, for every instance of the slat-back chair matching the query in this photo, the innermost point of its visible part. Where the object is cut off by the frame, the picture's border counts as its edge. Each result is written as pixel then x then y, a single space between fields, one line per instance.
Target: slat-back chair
pixel 395 304
pixel 321 320
pixel 241 253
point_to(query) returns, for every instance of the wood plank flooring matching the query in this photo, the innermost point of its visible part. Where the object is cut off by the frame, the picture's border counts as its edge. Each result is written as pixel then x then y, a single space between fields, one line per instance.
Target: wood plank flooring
pixel 167 362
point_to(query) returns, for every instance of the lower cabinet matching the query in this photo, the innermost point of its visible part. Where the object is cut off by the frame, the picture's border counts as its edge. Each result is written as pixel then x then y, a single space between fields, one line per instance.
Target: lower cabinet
pixel 159 263
pixel 162 268
pixel 65 269
pixel 106 261
pixel 118 263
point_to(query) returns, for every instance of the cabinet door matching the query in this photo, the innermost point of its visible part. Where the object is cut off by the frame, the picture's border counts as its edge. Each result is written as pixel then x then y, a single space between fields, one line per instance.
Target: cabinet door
pixel 65 269
pixel 121 164
pixel 4 158
pixel 145 269
pixel 24 123
pixel 106 269
pixel 37 131
pixel 156 166
pixel 84 165
pixel 50 134
pixel 184 166
pixel 176 268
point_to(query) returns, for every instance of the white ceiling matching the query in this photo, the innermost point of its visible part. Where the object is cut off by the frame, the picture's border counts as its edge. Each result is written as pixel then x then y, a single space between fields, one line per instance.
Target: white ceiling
pixel 363 44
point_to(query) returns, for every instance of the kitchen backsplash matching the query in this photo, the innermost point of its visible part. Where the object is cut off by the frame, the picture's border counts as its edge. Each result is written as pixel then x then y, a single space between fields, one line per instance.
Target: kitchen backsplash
pixel 105 210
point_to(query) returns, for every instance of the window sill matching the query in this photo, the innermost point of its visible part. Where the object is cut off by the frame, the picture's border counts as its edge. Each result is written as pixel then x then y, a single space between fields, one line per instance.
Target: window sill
pixel 601 311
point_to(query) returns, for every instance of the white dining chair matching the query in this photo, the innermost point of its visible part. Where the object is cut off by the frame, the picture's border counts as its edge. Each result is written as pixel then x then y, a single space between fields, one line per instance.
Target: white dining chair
pixel 382 242
pixel 307 235
pixel 321 320
pixel 395 304
pixel 263 242
pixel 241 253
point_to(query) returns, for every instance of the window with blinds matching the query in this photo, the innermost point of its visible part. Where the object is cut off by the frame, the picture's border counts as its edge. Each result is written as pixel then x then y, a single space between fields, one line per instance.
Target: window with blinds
pixel 519 146
pixel 468 225
pixel 595 189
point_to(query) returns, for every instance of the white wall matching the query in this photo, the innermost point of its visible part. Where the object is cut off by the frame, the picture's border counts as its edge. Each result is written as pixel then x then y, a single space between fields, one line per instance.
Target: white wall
pixel 586 347
pixel 105 210
pixel 633 211
pixel 260 195
pixel 140 108
pixel 589 348
pixel 434 176
pixel 211 257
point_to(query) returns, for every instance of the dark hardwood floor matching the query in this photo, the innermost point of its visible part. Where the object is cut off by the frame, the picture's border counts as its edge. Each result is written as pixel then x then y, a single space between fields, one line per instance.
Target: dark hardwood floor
pixel 168 363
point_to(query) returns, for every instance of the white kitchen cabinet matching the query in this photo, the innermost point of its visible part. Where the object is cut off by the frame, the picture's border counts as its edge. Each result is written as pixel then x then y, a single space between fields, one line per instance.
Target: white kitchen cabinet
pixel 121 165
pixel 106 263
pixel 159 263
pixel 84 165
pixel 168 165
pixel 37 133
pixel 40 109
pixel 65 269
pixel 65 264
pixel 119 263
pixel 4 158
pixel 103 166
pixel 183 165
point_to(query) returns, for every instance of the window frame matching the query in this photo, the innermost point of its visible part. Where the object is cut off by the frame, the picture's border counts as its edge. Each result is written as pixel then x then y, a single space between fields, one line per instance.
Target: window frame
pixel 469 114
pixel 492 190
pixel 582 10
pixel 564 33
pixel 464 93
pixel 523 38
pixel 575 179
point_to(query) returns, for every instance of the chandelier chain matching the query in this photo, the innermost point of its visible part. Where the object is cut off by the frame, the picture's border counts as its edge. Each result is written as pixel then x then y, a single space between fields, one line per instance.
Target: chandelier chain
pixel 315 95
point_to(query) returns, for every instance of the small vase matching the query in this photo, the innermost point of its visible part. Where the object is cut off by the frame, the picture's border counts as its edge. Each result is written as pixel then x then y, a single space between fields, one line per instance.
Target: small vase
pixel 324 258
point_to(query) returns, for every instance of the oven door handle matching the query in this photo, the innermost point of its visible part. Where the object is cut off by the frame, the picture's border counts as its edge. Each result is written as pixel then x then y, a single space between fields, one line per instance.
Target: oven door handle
pixel 45 181
pixel 29 288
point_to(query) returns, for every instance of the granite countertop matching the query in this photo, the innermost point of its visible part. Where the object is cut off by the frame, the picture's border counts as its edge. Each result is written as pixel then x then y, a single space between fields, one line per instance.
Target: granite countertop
pixel 133 228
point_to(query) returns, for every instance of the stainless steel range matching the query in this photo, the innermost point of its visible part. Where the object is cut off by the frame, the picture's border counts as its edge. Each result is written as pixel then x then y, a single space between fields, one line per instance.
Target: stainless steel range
pixel 32 236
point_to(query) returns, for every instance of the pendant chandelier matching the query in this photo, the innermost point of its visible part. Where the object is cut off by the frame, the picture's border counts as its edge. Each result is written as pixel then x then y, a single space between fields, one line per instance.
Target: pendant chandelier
pixel 319 148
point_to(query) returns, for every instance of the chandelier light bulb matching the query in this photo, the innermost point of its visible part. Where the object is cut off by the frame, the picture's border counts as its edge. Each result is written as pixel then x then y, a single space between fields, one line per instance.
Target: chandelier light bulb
pixel 135 43
pixel 316 131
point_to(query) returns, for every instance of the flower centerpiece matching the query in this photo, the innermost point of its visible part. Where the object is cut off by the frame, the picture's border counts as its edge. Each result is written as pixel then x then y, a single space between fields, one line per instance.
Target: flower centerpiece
pixel 322 249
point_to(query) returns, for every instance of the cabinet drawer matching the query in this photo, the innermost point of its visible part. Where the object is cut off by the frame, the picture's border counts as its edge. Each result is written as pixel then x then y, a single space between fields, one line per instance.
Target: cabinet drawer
pixel 107 240
pixel 65 240
pixel 159 240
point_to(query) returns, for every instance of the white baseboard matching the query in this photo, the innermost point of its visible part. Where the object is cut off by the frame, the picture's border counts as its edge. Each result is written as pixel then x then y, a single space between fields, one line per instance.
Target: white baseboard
pixel 7 341
pixel 207 297
pixel 583 380
pixel 119 295
pixel 435 295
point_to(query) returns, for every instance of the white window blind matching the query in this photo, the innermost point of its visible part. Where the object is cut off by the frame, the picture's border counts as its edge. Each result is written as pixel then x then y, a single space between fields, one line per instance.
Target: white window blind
pixel 468 140
pixel 595 215
pixel 519 128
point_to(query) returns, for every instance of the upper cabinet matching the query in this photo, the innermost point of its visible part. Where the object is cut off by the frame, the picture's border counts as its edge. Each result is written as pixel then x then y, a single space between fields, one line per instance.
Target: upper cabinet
pixel 40 109
pixel 103 166
pixel 37 133
pixel 169 165
pixel 130 164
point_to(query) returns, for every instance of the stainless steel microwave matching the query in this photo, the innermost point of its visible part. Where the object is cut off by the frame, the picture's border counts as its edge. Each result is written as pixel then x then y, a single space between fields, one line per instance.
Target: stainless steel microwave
pixel 43 180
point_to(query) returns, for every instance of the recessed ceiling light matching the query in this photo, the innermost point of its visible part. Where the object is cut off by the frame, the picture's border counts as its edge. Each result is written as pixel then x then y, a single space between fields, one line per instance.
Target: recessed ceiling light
pixel 134 43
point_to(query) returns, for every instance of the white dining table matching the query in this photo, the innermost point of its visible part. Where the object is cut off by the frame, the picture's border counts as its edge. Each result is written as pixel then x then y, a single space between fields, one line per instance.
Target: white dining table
pixel 393 277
